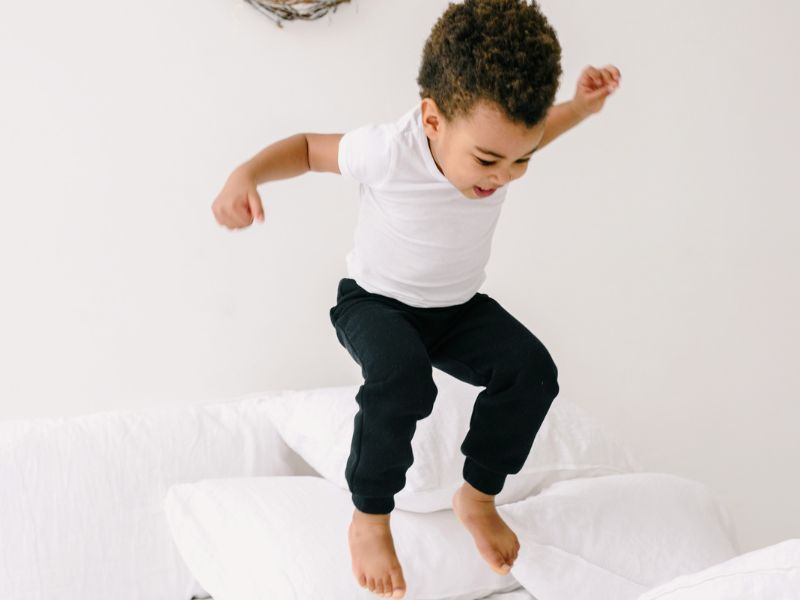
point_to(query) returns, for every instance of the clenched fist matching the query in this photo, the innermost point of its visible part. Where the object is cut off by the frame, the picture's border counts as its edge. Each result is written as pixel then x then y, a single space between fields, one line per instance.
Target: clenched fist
pixel 594 86
pixel 238 203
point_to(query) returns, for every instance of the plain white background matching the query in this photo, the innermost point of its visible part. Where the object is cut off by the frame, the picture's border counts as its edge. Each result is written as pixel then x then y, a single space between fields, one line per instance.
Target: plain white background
pixel 653 248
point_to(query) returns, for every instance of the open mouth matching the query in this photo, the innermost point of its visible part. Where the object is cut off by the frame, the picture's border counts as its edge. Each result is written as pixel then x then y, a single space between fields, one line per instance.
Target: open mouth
pixel 483 192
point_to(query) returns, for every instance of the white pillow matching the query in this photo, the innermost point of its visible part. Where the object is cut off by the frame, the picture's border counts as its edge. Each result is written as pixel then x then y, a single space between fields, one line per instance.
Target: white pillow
pixel 601 538
pixel 318 425
pixel 518 594
pixel 615 537
pixel 771 573
pixel 286 538
pixel 81 498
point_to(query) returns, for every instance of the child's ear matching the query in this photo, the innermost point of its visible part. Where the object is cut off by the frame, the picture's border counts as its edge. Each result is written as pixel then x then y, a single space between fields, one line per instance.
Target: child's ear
pixel 431 119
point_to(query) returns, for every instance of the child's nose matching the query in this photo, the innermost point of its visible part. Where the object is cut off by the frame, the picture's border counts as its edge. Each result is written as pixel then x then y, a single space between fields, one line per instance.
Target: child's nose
pixel 500 178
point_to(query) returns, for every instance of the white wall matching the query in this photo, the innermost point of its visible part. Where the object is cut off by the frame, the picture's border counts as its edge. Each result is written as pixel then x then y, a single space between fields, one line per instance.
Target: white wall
pixel 653 249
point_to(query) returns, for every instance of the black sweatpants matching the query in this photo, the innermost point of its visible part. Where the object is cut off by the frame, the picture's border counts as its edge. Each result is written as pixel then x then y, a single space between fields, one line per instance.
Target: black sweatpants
pixel 397 345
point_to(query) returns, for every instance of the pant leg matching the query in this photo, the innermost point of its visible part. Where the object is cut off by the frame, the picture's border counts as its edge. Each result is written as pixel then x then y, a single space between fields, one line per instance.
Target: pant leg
pixel 398 390
pixel 486 346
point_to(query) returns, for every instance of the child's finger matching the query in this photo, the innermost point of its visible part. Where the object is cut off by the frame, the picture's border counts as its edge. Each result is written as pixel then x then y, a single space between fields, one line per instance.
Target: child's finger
pixel 614 72
pixel 610 83
pixel 255 207
pixel 595 76
pixel 598 93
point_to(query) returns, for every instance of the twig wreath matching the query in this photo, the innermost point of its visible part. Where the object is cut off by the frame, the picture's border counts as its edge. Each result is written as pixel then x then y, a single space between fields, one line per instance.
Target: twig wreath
pixel 289 10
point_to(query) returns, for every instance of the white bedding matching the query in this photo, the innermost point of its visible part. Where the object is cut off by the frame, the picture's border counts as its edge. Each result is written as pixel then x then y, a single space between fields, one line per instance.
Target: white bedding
pixel 769 573
pixel 81 498
pixel 599 538
pixel 81 512
pixel 518 594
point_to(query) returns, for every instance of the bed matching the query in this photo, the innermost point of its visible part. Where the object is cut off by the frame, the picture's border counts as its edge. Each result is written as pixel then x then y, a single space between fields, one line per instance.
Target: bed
pixel 127 504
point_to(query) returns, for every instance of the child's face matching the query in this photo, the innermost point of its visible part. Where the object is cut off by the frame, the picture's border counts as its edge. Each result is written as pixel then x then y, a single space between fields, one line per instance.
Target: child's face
pixel 454 146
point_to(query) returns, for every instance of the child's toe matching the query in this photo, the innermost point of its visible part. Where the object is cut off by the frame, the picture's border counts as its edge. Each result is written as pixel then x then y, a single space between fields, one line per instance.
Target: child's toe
pixel 398 585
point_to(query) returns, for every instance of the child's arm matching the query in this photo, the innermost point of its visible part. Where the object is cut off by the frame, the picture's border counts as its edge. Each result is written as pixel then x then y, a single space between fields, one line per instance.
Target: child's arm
pixel 239 202
pixel 594 86
pixel 560 118
pixel 323 152
pixel 294 156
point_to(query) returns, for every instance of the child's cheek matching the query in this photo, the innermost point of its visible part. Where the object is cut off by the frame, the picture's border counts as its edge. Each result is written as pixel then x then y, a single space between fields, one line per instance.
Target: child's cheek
pixel 468 175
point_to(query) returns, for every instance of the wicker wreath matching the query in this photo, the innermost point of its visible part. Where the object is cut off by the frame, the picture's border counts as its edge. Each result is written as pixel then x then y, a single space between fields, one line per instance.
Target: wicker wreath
pixel 289 10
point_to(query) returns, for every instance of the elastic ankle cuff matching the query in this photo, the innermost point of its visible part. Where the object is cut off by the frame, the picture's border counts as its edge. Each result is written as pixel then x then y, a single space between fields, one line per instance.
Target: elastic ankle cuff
pixel 482 479
pixel 374 505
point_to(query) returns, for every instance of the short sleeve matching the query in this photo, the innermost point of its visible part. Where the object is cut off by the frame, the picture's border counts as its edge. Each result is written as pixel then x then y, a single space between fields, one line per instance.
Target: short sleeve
pixel 366 153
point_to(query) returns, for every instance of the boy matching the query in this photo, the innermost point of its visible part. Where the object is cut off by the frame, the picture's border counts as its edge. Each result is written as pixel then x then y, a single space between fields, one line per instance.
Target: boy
pixel 432 185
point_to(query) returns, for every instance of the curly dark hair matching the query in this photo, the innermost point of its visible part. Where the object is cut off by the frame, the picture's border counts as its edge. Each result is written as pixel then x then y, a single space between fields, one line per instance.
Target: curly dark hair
pixel 501 51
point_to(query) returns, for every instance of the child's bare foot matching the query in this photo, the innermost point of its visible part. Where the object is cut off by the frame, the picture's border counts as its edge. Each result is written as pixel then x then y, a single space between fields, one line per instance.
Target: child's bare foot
pixel 374 559
pixel 496 542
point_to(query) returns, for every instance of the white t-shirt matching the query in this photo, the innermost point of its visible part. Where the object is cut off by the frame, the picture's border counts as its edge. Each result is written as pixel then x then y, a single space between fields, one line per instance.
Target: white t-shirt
pixel 418 238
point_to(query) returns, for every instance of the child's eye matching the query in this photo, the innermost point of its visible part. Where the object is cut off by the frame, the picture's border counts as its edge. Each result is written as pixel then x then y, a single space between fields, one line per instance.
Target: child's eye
pixel 486 163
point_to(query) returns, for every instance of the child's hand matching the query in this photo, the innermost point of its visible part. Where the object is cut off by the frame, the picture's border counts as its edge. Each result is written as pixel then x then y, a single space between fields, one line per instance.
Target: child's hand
pixel 238 202
pixel 594 86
